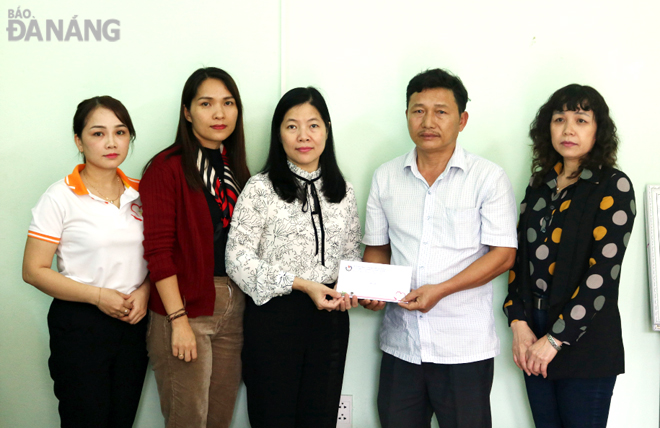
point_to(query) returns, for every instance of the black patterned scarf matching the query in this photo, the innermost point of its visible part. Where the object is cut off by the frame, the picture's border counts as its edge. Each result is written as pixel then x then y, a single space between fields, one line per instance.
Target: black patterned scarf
pixel 223 188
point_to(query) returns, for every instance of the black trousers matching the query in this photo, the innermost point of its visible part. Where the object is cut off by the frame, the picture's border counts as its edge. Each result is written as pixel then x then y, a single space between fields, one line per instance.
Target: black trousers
pixel 458 394
pixel 293 362
pixel 98 364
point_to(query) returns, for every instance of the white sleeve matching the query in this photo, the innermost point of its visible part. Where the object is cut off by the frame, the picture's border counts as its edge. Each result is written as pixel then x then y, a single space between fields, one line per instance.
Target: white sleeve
pixel 352 245
pixel 254 276
pixel 499 214
pixel 376 226
pixel 47 219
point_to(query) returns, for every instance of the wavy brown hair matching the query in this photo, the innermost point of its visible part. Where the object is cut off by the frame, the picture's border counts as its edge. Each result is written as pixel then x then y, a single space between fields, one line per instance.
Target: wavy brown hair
pixel 572 97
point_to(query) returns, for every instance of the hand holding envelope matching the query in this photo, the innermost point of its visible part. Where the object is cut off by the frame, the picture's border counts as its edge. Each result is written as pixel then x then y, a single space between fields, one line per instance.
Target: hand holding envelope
pixel 374 281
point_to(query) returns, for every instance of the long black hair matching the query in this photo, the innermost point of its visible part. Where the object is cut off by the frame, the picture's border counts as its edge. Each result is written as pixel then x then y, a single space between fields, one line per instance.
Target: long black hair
pixel 284 182
pixel 187 144
pixel 573 97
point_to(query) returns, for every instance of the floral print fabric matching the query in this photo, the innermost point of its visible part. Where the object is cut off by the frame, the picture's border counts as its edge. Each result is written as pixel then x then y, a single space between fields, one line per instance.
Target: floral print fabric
pixel 272 241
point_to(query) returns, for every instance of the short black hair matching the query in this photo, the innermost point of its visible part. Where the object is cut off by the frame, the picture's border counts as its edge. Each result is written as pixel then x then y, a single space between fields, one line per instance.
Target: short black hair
pixel 439 78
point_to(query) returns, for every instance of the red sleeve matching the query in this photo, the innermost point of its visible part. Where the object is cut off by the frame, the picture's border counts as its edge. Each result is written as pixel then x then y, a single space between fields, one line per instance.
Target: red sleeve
pixel 158 191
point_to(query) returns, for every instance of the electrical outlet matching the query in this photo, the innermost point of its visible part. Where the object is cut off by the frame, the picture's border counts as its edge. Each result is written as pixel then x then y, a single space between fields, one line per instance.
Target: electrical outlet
pixel 344 418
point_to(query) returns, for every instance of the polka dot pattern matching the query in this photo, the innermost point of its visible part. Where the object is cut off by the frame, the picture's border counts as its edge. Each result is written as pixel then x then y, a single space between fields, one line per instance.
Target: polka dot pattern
pixel 609 250
pixel 623 184
pixel 599 233
pixel 606 203
pixel 554 223
pixel 556 235
pixel 531 235
pixel 558 168
pixel 626 239
pixel 620 218
pixel 577 290
pixel 578 312
pixel 559 326
pixel 586 174
pixel 594 281
pixel 542 252
pixel 541 284
pixel 540 204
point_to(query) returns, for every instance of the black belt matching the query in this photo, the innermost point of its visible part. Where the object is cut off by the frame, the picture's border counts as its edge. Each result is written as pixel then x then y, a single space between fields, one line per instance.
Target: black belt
pixel 541 303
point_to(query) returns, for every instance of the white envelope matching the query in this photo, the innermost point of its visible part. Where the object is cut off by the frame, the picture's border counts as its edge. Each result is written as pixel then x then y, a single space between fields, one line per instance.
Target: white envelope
pixel 374 281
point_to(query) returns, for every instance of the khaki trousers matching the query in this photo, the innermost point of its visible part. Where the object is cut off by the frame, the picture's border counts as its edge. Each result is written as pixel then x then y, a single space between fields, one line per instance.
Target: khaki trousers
pixel 202 393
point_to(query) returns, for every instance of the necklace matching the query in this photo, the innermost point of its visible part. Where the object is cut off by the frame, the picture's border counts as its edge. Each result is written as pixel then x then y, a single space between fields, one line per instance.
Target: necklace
pixel 559 189
pixel 112 201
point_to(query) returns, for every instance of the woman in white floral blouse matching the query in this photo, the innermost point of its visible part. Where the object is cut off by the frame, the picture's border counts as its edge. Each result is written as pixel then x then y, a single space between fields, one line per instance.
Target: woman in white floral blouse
pixel 292 225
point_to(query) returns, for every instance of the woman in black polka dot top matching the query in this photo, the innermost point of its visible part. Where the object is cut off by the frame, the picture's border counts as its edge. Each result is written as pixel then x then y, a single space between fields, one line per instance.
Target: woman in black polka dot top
pixel 575 224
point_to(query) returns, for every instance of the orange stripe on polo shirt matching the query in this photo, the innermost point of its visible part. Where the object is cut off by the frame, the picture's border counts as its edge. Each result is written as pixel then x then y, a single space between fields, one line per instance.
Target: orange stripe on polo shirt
pixel 74 181
pixel 42 237
pixel 130 182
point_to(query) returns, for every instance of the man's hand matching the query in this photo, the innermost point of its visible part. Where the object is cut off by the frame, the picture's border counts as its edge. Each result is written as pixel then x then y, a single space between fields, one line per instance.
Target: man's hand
pixel 374 305
pixel 422 299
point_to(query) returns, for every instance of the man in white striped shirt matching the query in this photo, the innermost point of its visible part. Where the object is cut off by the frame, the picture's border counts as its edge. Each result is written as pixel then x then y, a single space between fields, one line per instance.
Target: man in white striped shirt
pixel 451 215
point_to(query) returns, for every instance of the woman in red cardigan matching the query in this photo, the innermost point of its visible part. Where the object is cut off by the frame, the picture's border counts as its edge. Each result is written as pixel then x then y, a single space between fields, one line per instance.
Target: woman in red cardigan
pixel 188 193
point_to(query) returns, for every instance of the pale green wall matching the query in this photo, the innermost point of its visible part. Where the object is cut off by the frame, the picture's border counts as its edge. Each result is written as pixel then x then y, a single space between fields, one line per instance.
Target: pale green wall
pixel 511 56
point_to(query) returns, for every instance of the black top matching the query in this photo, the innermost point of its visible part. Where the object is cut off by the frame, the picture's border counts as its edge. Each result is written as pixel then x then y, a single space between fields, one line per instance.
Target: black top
pixel 571 246
pixel 220 235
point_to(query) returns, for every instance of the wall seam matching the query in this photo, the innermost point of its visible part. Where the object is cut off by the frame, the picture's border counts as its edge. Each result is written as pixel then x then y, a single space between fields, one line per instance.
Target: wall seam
pixel 282 47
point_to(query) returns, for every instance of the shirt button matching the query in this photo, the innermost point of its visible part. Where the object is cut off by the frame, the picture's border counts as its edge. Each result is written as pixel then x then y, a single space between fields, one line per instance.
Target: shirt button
pixel 428 217
pixel 421 267
pixel 426 242
pixel 429 192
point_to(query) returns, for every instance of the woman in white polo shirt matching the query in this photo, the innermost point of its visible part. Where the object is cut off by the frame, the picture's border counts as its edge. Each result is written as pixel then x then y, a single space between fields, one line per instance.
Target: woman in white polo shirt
pixel 92 221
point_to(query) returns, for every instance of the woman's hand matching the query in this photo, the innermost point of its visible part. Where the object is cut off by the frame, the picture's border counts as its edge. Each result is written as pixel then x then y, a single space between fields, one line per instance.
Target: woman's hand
pixel 347 302
pixel 140 300
pixel 318 292
pixel 523 338
pixel 114 303
pixel 539 355
pixel 184 344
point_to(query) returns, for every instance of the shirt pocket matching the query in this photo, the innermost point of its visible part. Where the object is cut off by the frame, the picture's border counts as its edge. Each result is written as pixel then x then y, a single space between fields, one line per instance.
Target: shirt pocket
pixel 460 228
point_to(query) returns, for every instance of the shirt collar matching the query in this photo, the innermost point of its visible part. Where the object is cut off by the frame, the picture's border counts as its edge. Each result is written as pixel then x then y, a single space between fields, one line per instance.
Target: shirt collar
pixel 301 172
pixel 457 159
pixel 75 183
pixel 551 177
